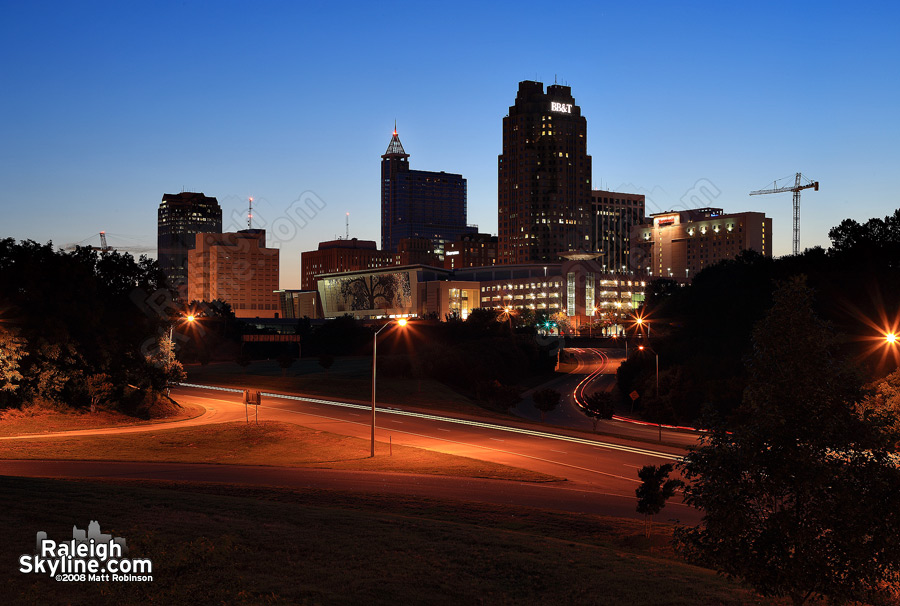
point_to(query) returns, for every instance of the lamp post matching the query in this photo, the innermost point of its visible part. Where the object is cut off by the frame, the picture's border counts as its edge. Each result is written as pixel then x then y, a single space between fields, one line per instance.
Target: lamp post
pixel 171 357
pixel 658 420
pixel 400 322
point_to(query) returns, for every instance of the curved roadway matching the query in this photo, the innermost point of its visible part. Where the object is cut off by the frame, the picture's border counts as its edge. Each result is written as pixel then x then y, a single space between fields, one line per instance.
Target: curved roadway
pixel 601 473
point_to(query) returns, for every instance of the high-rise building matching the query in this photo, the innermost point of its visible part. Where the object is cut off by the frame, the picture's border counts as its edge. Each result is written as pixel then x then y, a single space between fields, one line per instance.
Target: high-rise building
pixel 678 244
pixel 419 203
pixel 613 216
pixel 544 188
pixel 180 218
pixel 238 269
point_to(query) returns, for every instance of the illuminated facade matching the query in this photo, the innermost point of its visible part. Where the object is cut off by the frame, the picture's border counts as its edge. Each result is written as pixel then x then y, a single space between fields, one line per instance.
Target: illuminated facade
pixel 679 244
pixel 613 216
pixel 179 219
pixel 238 269
pixel 544 177
pixel 418 203
pixel 580 290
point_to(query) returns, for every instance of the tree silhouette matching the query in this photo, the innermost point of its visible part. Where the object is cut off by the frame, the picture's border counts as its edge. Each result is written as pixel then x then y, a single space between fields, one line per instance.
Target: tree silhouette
pixel 655 490
pixel 546 400
pixel 599 405
pixel 793 497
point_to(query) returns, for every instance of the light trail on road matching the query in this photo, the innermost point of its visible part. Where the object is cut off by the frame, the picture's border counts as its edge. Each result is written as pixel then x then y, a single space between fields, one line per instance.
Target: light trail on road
pixel 481 424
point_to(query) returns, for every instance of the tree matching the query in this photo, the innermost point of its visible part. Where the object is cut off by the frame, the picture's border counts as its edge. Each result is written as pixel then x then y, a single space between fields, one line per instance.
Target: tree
pixel 655 490
pixel 562 322
pixel 98 388
pixel 12 350
pixel 77 314
pixel 599 405
pixel 793 497
pixel 546 400
pixel 883 398
pixel 326 361
pixel 285 361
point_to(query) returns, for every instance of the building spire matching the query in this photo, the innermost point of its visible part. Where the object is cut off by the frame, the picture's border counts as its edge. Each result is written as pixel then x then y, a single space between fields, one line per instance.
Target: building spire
pixel 395 148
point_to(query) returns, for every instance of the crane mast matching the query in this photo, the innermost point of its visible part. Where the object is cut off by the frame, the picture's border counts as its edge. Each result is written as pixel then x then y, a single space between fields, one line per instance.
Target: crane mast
pixel 796 188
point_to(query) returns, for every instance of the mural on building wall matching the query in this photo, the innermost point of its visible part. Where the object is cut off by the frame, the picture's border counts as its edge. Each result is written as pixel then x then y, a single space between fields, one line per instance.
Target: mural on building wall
pixel 378 291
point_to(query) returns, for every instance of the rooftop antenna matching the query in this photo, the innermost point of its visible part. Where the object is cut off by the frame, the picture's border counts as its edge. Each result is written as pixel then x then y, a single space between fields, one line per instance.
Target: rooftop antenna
pixel 250 214
pixel 347 236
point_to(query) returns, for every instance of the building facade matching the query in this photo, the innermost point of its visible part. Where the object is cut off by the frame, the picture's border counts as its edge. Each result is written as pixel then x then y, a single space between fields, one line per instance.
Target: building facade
pixel 613 216
pixel 474 250
pixel 299 304
pixel 578 289
pixel 179 219
pixel 544 177
pixel 418 203
pixel 678 244
pixel 341 255
pixel 238 269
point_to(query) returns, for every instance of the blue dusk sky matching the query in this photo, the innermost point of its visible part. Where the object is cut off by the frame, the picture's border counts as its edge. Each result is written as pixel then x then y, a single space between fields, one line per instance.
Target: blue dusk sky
pixel 107 106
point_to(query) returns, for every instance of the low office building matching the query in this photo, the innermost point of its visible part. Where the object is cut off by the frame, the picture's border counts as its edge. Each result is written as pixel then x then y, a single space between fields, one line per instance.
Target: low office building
pixel 341 256
pixel 238 269
pixel 300 304
pixel 378 293
pixel 577 288
pixel 471 250
pixel 679 244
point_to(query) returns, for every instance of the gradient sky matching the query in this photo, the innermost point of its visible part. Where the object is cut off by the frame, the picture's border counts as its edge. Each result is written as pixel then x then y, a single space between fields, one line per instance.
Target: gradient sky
pixel 106 106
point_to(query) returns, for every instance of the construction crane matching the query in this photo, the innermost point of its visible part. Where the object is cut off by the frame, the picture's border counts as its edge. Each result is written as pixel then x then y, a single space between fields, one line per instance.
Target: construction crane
pixel 105 247
pixel 796 188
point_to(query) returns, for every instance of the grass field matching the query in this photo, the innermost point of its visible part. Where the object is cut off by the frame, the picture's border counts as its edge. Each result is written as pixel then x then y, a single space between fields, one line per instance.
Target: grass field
pixel 36 420
pixel 349 379
pixel 269 443
pixel 216 544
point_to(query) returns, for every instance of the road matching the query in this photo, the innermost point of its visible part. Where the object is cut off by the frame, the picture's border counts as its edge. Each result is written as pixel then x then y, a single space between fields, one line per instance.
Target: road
pixel 601 473
pixel 595 370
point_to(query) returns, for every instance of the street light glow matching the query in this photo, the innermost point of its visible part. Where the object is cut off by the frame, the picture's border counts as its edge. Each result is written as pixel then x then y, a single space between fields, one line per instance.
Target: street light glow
pixel 402 322
pixel 891 338
pixel 190 318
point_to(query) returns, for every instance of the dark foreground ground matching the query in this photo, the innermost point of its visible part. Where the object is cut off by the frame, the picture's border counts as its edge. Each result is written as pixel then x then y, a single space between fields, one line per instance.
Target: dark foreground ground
pixel 218 544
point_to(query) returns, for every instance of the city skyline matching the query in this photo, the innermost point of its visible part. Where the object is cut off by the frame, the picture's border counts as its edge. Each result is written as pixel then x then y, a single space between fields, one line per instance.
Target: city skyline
pixel 117 105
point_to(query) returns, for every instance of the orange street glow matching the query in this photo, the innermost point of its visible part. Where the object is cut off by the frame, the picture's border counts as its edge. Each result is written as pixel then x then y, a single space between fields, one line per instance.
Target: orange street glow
pixel 402 321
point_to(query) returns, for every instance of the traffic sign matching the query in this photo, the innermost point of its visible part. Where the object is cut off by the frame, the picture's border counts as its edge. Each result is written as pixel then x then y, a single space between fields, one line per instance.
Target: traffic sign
pixel 634 395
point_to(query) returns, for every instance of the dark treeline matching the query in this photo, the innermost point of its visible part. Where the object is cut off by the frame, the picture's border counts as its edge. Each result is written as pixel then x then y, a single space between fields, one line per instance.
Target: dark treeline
pixel 78 329
pixel 483 356
pixel 702 332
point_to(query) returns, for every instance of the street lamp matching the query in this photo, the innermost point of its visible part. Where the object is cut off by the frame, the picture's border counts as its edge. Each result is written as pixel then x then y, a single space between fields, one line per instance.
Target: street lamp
pixel 507 311
pixel 401 322
pixel 658 420
pixel 641 322
pixel 189 318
